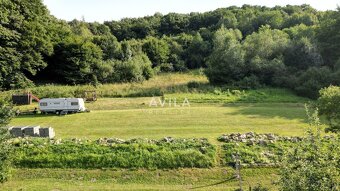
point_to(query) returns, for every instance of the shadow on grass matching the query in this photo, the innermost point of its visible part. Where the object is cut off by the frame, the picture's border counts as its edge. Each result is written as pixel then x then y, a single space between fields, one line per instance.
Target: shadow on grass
pixel 25 116
pixel 291 111
pixel 214 184
pixel 133 92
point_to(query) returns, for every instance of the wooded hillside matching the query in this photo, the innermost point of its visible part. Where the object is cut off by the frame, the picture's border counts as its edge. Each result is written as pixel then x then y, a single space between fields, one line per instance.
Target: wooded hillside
pixel 296 47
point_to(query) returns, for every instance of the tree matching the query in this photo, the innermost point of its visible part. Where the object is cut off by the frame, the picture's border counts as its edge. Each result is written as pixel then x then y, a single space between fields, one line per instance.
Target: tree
pixel 245 19
pixel 329 38
pixel 301 31
pixel 272 18
pixel 6 113
pixel 177 54
pixel 157 50
pixel 81 28
pixel 303 54
pixel 25 39
pixel 109 45
pixel 312 80
pixel 137 68
pixel 174 23
pixel 99 29
pixel 264 53
pixel 75 60
pixel 197 52
pixel 305 18
pixel 226 63
pixel 312 164
pixel 228 20
pixel 329 106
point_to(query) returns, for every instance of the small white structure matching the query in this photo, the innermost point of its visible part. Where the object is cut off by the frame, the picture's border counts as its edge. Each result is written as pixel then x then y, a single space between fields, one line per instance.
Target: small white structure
pixel 62 105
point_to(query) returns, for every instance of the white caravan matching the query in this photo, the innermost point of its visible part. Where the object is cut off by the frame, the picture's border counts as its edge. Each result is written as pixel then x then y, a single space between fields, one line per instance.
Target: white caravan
pixel 62 105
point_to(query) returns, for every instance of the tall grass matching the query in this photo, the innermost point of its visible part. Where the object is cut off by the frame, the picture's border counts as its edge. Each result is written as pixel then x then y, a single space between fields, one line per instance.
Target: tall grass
pixel 157 86
pixel 150 154
pixel 210 94
pixel 193 86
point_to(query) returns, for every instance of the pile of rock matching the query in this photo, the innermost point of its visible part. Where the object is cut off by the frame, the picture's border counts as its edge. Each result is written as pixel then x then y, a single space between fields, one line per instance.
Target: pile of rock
pixel 32 131
pixel 252 138
pixel 108 141
pixel 112 141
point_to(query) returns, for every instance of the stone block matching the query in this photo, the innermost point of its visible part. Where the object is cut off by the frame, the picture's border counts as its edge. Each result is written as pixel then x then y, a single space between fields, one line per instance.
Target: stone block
pixel 47 132
pixel 32 131
pixel 17 131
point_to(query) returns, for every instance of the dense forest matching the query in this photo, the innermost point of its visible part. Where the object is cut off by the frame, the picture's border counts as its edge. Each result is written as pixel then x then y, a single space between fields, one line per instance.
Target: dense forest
pixel 295 47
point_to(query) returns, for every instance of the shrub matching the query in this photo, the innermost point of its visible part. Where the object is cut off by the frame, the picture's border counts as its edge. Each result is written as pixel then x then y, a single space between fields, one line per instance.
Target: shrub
pixel 136 69
pixel 328 103
pixel 193 84
pixel 312 80
pixel 6 114
pixel 166 67
pixel 312 164
pixel 260 188
pixel 249 82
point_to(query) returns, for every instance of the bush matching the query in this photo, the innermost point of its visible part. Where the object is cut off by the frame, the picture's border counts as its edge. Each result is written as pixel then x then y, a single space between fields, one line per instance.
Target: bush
pixel 194 84
pixel 312 164
pixel 260 188
pixel 6 114
pixel 250 82
pixel 166 67
pixel 312 80
pixel 329 106
pixel 136 69
pixel 226 62
pixel 5 155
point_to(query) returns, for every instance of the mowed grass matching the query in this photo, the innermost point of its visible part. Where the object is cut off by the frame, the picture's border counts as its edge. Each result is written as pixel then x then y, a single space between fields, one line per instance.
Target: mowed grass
pixel 181 179
pixel 134 118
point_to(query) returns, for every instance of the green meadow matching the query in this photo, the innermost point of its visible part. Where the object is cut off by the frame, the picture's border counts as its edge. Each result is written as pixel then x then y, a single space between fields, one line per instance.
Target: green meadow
pixel 207 120
pixel 187 107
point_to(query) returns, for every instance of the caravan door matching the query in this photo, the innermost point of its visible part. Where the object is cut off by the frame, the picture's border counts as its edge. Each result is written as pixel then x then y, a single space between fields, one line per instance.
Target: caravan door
pixel 66 104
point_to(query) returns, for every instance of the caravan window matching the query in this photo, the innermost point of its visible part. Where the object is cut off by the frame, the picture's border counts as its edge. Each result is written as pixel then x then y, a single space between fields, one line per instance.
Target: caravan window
pixel 43 104
pixel 74 103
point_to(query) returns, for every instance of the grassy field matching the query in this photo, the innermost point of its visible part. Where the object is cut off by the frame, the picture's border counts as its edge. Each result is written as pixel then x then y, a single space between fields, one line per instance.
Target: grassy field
pixel 213 111
pixel 182 179
pixel 209 121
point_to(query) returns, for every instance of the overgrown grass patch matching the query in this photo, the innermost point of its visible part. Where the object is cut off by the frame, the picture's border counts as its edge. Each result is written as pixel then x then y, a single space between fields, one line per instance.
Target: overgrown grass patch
pixel 157 86
pixel 253 149
pixel 226 95
pixel 136 153
pixel 254 155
